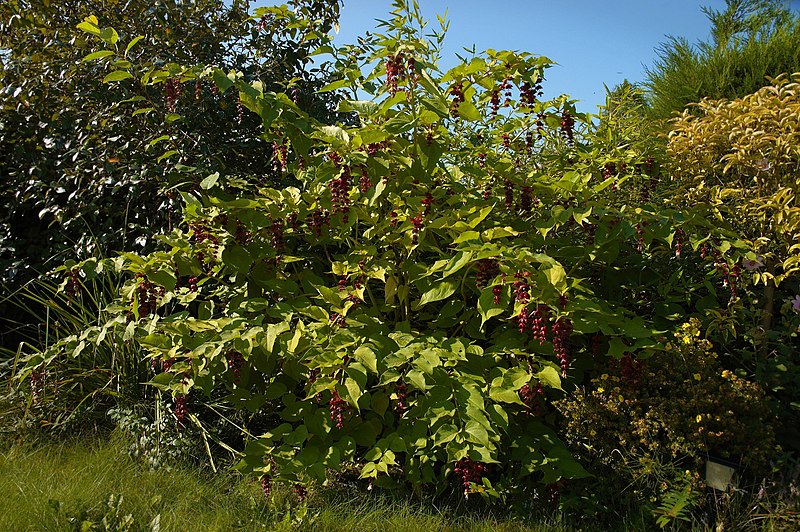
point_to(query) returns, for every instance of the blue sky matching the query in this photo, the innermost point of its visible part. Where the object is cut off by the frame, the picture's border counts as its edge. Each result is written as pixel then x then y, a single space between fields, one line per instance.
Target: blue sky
pixel 593 42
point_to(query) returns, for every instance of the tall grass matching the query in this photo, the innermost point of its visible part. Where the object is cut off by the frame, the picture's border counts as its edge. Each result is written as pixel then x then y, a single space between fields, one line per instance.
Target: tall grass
pixel 83 377
pixel 56 487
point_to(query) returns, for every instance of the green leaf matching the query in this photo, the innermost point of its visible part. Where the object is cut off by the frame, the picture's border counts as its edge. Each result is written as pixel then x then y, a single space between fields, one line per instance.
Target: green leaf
pixel 109 35
pixel 273 331
pixel 457 263
pixel 549 376
pixel 486 305
pixel 557 277
pixel 133 43
pixel 98 55
pixel 164 278
pixel 442 290
pixel 468 111
pixel 334 85
pixel 89 25
pixel 237 258
pixel 222 81
pixel 367 357
pixel 117 75
pixel 209 181
pixel 362 107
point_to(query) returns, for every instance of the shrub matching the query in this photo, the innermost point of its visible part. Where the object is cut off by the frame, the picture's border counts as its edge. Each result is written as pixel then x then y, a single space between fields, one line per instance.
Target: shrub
pixel 650 424
pixel 411 306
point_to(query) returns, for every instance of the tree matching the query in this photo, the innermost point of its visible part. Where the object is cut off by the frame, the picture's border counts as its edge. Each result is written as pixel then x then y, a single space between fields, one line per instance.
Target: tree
pixel 751 41
pixel 80 175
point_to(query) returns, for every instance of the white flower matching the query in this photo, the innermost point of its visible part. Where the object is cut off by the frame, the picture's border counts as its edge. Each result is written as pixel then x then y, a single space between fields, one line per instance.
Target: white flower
pixel 752 264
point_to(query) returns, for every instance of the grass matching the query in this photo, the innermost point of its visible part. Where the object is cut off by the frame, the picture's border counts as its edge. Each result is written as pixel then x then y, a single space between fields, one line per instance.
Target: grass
pixel 59 486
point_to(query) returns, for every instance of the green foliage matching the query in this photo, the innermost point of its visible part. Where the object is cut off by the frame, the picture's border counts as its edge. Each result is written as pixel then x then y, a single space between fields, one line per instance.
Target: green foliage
pixel 391 323
pixel 414 287
pixel 752 40
pixel 740 158
pixel 82 174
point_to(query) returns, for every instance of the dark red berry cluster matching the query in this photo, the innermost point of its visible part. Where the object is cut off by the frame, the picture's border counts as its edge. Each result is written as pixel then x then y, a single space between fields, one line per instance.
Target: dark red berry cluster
pixel 731 277
pixel 337 320
pixel 488 269
pixel 528 93
pixel 495 102
pixel 235 361
pixel 567 127
pixel 73 286
pixel 471 472
pixel 318 219
pixel 239 111
pixel 539 125
pixel 276 232
pixel 416 226
pixel 640 236
pixel 533 397
pixel 457 90
pixel 678 242
pixel 497 291
pixel 630 370
pixel 399 68
pixel 242 236
pixel 400 405
pixel 193 284
pixel 364 183
pixel 300 492
pixel 280 155
pixel 526 200
pixel 508 188
pixel 506 86
pixel 563 299
pixel 340 194
pixel 375 147
pixel 37 385
pixel 201 233
pixel 198 90
pixel 173 90
pixel 540 323
pixel 146 295
pixel 522 295
pixel 562 328
pixel 427 201
pixel 337 407
pixel 266 484
pixel 181 408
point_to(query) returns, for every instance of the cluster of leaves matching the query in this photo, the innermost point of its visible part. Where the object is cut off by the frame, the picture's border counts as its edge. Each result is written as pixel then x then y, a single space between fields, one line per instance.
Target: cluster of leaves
pixel 740 158
pixel 644 417
pixel 82 175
